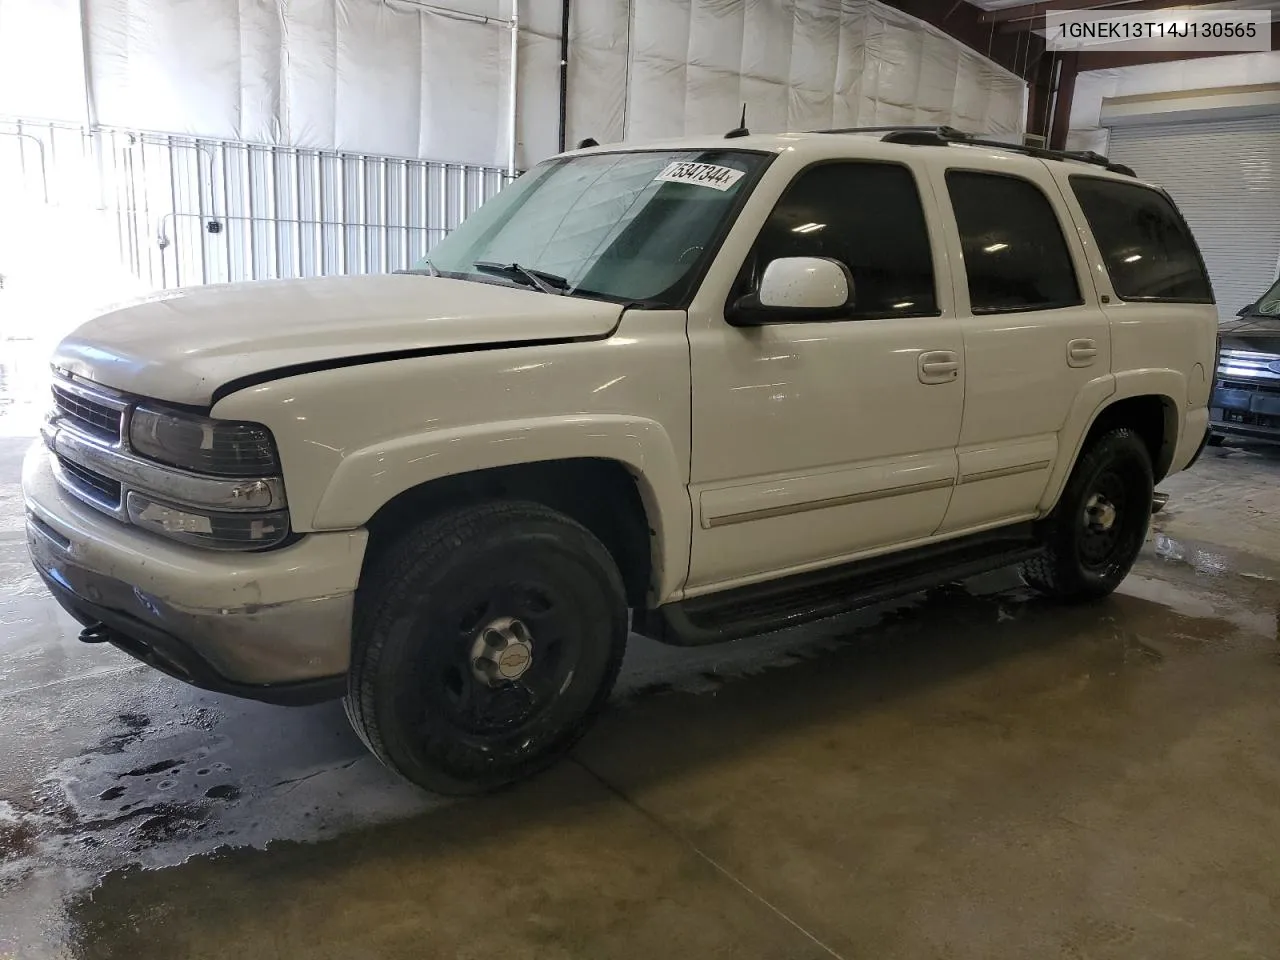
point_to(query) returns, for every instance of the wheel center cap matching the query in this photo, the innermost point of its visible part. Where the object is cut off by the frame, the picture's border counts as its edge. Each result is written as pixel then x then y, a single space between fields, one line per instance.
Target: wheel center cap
pixel 514 661
pixel 1100 513
pixel 502 651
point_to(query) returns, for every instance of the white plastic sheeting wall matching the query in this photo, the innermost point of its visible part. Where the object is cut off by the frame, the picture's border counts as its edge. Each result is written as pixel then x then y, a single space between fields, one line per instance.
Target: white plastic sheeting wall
pixel 41 59
pixel 402 78
pixel 677 67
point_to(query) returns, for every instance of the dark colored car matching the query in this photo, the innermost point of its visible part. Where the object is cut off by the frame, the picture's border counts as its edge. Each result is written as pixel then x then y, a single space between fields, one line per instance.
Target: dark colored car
pixel 1246 395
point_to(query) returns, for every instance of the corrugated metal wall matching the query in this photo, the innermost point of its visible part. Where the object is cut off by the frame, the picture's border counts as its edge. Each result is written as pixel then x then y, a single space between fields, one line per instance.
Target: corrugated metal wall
pixel 188 210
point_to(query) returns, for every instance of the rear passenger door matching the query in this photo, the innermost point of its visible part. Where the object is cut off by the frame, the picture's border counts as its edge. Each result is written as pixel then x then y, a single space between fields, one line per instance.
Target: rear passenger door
pixel 1034 334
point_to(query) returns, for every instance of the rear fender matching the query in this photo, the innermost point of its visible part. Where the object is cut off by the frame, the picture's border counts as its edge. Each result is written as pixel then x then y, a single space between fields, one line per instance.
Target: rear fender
pixel 1091 402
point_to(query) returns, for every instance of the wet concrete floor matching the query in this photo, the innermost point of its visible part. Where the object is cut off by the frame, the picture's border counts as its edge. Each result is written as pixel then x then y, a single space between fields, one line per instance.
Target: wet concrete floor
pixel 967 774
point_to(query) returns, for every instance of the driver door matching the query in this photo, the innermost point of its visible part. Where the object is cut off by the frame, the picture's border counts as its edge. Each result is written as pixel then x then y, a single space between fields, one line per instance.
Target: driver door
pixel 815 442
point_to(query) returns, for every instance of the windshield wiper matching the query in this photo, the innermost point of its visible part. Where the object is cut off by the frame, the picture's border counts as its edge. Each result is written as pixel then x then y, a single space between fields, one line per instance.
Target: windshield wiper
pixel 546 282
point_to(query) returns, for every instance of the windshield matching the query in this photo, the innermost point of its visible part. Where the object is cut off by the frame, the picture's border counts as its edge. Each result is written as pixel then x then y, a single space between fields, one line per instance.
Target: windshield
pixel 621 226
pixel 1269 303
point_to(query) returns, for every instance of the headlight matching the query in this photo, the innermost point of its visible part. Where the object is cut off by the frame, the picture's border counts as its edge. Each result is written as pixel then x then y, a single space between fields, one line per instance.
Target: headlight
pixel 232 498
pixel 206 528
pixel 225 448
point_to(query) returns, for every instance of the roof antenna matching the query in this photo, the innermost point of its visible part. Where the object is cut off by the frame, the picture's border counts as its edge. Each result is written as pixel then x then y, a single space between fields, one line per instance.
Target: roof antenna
pixel 741 130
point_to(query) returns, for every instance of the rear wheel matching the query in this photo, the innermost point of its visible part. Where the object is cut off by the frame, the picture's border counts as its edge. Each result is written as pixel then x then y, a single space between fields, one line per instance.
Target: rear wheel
pixel 485 642
pixel 1095 533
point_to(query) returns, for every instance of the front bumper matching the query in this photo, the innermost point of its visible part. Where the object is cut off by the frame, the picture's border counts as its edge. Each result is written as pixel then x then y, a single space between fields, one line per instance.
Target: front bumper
pixel 273 626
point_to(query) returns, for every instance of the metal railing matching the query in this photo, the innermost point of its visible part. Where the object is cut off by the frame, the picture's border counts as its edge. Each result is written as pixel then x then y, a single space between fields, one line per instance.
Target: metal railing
pixel 185 210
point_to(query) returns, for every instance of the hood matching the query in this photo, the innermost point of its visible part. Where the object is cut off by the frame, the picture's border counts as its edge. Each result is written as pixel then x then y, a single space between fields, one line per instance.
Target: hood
pixel 1251 332
pixel 182 345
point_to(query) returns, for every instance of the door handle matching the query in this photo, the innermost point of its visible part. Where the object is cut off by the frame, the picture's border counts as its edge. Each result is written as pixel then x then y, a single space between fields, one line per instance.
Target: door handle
pixel 1082 352
pixel 938 366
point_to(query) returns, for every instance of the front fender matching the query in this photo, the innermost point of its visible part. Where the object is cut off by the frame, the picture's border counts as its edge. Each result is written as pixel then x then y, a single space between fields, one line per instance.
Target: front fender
pixel 353 438
pixel 372 476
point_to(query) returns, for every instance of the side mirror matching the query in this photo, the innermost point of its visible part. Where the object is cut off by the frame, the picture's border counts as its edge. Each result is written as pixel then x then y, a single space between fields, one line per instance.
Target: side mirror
pixel 1246 310
pixel 796 290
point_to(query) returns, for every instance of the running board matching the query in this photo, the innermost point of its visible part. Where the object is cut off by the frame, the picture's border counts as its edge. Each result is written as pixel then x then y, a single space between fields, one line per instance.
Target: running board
pixel 820 594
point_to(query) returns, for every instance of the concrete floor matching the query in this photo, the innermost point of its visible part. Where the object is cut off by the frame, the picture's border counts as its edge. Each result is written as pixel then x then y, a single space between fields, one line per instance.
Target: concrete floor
pixel 969 774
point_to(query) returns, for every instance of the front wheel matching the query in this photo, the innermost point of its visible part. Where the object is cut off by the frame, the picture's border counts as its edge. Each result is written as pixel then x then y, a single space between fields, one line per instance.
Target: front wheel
pixel 1094 535
pixel 486 640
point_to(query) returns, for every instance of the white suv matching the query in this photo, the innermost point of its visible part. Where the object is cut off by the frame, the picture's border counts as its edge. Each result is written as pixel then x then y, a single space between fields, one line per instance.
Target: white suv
pixel 704 388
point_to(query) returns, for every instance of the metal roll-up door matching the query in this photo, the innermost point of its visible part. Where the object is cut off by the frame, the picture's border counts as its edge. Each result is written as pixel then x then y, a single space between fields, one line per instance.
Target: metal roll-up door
pixel 1225 177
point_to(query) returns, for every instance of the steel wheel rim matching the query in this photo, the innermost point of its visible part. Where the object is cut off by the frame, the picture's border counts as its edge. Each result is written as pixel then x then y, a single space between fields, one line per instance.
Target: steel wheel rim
pixel 1104 519
pixel 495 701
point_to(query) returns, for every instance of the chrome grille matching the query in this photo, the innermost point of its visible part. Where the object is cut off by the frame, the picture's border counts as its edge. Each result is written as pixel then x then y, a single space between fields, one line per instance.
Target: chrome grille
pixel 1267 388
pixel 93 416
pixel 1248 364
pixel 92 484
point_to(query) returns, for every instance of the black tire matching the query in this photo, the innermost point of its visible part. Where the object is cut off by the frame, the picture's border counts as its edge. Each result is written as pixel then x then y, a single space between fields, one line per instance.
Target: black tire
pixel 1084 556
pixel 1216 439
pixel 416 693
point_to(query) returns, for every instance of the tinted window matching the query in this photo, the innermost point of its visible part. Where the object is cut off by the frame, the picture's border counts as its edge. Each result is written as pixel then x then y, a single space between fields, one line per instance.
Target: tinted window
pixel 1015 256
pixel 867 216
pixel 1145 244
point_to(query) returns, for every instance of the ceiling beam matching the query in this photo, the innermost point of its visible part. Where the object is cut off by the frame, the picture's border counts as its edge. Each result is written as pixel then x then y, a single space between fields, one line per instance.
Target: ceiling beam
pixel 1110 59
pixel 963 21
pixel 1030 16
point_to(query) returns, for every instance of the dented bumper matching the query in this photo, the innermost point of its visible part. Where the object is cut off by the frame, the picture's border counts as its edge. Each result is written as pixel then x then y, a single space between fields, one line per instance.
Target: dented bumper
pixel 273 626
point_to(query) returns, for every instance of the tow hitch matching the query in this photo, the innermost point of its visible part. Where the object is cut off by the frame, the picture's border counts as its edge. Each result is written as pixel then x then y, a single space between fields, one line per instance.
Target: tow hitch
pixel 95 633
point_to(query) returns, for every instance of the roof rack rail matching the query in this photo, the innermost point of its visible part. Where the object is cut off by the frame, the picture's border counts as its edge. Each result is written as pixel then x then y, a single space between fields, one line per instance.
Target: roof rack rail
pixel 932 128
pixel 941 136
pixel 1079 156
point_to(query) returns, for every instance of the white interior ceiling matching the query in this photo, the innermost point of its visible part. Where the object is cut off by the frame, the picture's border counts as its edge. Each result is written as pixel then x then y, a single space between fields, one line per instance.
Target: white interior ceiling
pixel 405 78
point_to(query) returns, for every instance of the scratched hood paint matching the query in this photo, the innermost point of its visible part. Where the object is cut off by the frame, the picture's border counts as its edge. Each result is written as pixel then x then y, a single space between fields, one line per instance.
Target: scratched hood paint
pixel 182 345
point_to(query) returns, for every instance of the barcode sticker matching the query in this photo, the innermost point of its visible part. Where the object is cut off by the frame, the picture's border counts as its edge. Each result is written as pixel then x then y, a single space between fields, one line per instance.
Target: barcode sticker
pixel 702 174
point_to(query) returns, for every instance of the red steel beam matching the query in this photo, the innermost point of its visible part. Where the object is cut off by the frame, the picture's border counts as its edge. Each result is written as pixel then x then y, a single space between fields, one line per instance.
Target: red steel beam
pixel 1040 96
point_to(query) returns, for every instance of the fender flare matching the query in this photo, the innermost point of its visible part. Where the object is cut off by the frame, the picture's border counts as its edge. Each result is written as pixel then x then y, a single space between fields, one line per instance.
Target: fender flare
pixel 372 476
pixel 1168 384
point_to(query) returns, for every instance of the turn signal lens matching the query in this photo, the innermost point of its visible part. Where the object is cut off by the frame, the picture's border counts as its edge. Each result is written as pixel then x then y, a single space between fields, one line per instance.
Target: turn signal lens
pixel 218 531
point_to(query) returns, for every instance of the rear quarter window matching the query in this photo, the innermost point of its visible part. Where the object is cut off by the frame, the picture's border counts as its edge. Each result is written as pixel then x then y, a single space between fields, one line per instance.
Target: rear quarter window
pixel 1146 245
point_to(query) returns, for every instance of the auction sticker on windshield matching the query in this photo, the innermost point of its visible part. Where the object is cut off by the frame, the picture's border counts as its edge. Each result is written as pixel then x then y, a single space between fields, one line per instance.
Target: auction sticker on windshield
pixel 703 174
